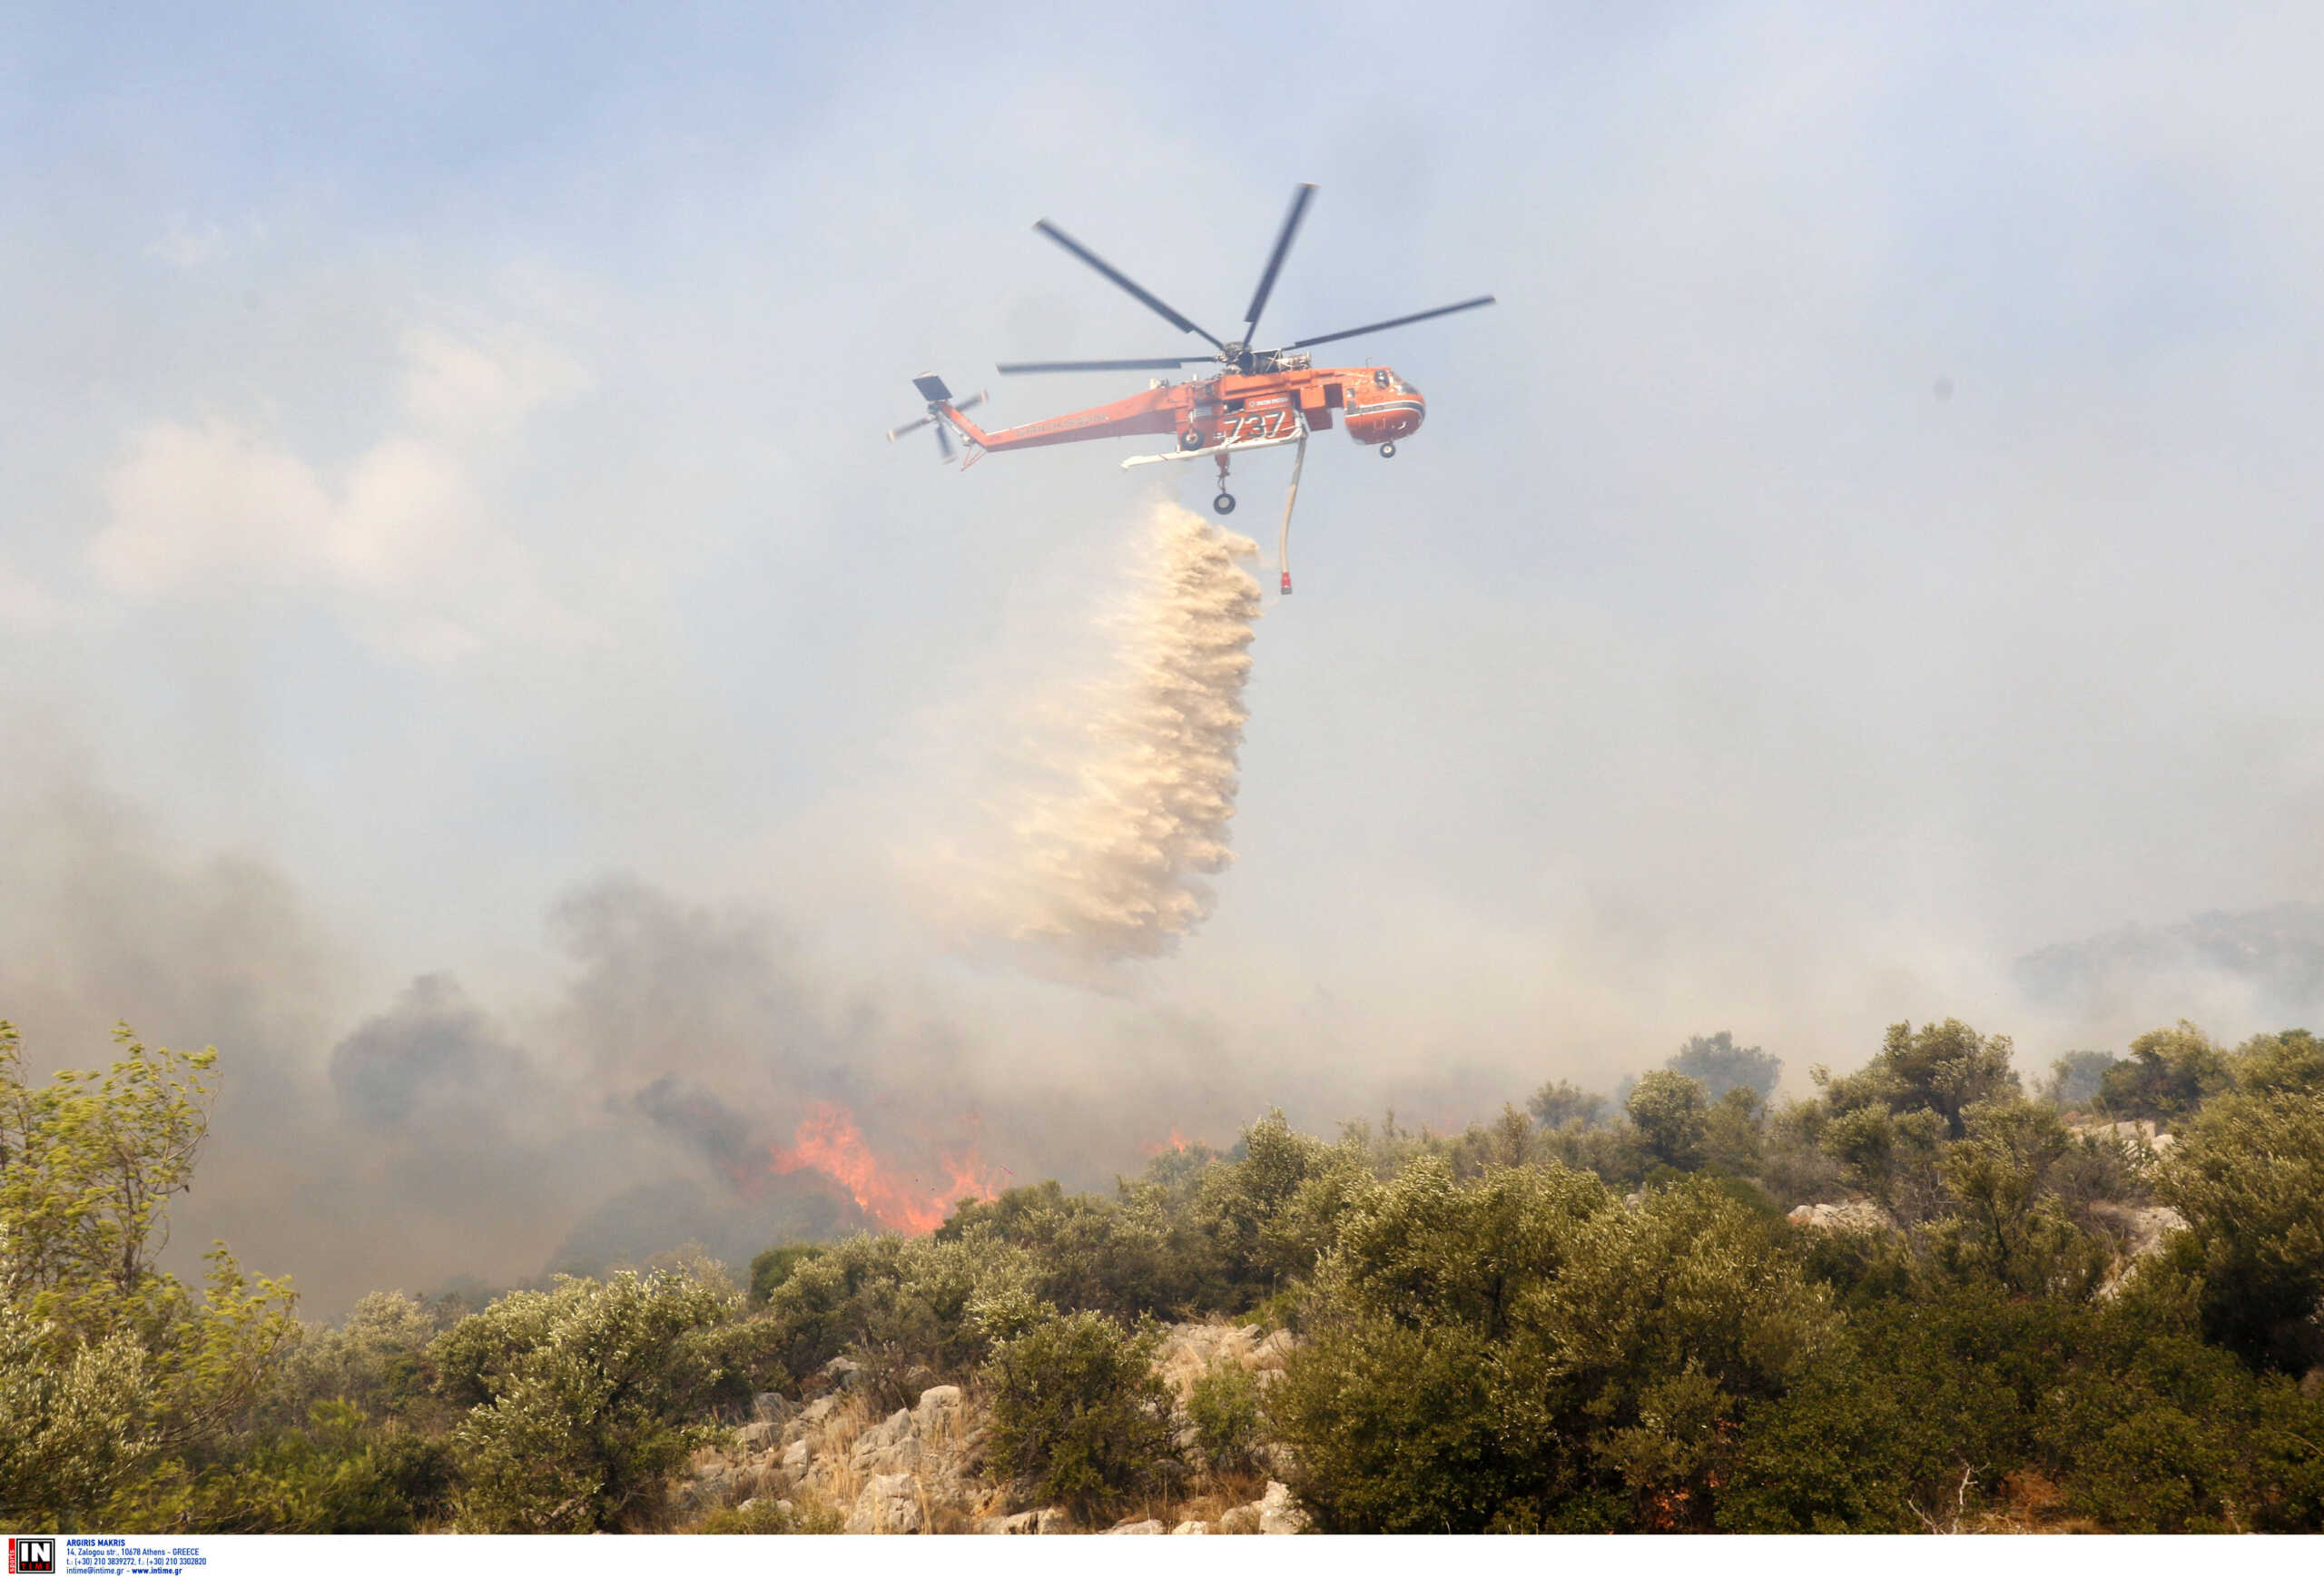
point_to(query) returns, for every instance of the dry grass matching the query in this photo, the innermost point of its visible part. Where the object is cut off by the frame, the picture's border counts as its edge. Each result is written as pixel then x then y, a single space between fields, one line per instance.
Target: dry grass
pixel 831 1449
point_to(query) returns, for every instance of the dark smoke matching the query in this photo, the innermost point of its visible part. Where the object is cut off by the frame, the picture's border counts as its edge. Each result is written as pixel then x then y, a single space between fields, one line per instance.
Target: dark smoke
pixel 431 1057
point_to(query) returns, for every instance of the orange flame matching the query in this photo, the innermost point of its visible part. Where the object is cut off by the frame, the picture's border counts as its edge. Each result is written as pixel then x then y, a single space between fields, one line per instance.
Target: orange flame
pixel 828 1141
pixel 1177 1142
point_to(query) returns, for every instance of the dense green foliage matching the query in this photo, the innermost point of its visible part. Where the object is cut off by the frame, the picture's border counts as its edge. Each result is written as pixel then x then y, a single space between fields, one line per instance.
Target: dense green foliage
pixel 2250 1180
pixel 2168 1074
pixel 582 1398
pixel 123 1375
pixel 1077 1414
pixel 770 1269
pixel 1522 1352
pixel 1719 1065
pixel 1229 1419
pixel 1601 1315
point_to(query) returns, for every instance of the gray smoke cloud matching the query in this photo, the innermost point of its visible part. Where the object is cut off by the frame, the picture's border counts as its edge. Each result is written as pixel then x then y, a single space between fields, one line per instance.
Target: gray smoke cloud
pixel 432 1059
pixel 2230 971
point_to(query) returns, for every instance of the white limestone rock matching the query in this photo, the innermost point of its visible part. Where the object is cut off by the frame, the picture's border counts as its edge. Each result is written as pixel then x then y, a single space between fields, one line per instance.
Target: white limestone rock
pixel 889 1503
pixel 1277 1515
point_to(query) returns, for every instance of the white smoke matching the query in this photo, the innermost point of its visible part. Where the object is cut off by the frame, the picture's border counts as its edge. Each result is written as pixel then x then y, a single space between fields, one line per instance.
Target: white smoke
pixel 1107 856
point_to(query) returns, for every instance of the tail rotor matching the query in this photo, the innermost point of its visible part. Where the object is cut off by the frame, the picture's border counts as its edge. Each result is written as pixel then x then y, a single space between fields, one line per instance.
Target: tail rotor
pixel 941 407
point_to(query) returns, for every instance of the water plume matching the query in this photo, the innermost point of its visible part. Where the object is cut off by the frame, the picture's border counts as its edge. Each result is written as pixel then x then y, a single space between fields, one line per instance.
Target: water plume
pixel 1110 856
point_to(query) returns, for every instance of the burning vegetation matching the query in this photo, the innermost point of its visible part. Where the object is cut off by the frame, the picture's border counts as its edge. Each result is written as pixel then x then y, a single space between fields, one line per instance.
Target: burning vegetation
pixel 829 1142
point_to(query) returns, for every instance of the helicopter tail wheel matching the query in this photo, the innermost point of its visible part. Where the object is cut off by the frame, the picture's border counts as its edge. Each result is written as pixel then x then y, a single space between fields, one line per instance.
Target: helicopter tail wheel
pixel 1387 451
pixel 1224 504
pixel 1189 439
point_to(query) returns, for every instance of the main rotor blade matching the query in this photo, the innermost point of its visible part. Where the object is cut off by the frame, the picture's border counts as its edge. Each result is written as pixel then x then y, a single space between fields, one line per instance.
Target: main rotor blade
pixel 895 433
pixel 1153 364
pixel 943 442
pixel 972 402
pixel 1391 323
pixel 1178 318
pixel 1275 259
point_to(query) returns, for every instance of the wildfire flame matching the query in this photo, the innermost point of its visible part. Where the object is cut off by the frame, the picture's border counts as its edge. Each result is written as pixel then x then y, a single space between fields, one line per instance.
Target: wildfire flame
pixel 828 1141
pixel 1177 1142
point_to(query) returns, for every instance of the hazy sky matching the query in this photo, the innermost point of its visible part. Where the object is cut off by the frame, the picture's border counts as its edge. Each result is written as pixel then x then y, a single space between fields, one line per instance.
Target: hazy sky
pixel 441 475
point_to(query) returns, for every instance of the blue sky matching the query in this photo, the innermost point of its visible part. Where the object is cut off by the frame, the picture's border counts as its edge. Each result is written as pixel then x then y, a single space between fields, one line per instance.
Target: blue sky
pixel 441 468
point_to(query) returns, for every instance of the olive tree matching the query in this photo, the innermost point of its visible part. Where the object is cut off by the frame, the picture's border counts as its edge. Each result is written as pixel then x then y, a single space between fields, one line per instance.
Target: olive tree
pixel 89 1162
pixel 581 1399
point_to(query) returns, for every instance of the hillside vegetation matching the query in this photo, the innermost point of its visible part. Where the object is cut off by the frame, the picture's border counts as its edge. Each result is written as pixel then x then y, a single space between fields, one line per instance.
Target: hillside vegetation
pixel 1930 1297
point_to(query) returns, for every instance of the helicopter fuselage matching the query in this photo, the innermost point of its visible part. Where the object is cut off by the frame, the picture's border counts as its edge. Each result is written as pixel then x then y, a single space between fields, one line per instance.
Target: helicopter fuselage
pixel 1375 405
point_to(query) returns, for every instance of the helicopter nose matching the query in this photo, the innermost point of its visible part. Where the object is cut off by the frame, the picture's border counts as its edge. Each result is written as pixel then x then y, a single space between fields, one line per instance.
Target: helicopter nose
pixel 1393 411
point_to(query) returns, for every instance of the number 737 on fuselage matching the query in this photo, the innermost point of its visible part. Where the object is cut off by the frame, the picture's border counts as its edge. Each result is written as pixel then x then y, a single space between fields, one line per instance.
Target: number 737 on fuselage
pixel 1256 400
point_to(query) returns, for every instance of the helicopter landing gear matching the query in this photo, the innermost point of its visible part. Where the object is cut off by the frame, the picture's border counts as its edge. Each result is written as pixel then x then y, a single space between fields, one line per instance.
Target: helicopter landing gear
pixel 1388 451
pixel 1190 440
pixel 1224 504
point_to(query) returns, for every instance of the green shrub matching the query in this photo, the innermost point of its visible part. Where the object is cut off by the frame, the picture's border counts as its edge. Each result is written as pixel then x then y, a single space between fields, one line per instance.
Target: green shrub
pixel 2073 1081
pixel 582 1399
pixel 1272 1210
pixel 1561 1102
pixel 2143 1428
pixel 1944 1068
pixel 1230 1429
pixel 75 1418
pixel 377 1359
pixel 2168 1075
pixel 1672 1115
pixel 338 1475
pixel 1130 1256
pixel 1077 1414
pixel 764 1516
pixel 898 1306
pixel 770 1269
pixel 1521 1353
pixel 2290 1061
pixel 1720 1066
pixel 2005 1222
pixel 2248 1175
pixel 107 1362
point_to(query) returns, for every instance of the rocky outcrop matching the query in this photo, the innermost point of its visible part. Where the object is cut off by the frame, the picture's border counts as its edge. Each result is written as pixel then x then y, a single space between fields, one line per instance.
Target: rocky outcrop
pixel 1277 1515
pixel 2138 1231
pixel 1041 1521
pixel 921 1470
pixel 889 1503
pixel 1192 1351
pixel 2141 1229
pixel 2137 1133
pixel 1846 1217
pixel 1272 1514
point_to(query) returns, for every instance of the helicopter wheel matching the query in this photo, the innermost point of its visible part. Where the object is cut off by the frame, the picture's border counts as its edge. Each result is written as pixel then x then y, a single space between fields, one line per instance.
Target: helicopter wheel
pixel 1387 451
pixel 1224 504
pixel 1190 439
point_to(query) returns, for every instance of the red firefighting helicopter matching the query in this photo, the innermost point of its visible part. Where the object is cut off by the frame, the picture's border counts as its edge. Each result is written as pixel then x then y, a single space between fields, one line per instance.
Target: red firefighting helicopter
pixel 1258 400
